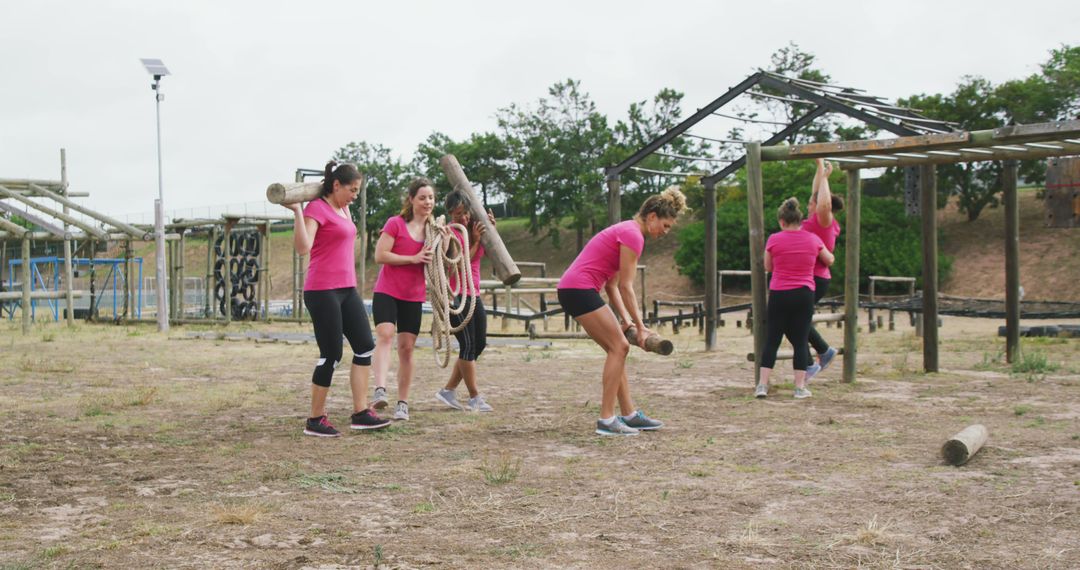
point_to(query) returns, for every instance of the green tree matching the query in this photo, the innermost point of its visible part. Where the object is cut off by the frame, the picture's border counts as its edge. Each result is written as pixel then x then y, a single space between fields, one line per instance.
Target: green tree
pixel 483 157
pixel 386 180
pixel 555 152
pixel 646 121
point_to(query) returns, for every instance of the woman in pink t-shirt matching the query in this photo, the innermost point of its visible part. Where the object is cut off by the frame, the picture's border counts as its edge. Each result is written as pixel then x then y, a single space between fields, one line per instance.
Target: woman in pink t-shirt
pixel 472 338
pixel 400 290
pixel 822 223
pixel 325 230
pixel 609 261
pixel 790 255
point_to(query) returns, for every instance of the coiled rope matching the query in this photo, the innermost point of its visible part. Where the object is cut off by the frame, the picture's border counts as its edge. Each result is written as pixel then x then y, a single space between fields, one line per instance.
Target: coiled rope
pixel 445 263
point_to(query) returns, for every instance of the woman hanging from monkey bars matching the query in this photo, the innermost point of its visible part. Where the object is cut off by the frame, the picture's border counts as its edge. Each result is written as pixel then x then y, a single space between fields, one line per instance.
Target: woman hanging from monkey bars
pixel 821 222
pixel 609 261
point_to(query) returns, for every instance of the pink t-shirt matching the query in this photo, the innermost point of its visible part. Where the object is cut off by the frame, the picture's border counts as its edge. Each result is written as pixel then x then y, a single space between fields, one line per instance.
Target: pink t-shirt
pixel 599 260
pixel 332 261
pixel 828 235
pixel 404 282
pixel 474 263
pixel 793 254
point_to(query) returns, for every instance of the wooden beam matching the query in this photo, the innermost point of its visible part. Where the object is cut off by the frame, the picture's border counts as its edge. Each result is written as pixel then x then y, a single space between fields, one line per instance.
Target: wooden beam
pixel 145 235
pixel 12 228
pixel 69 274
pixel 756 212
pixel 1036 132
pixel 928 199
pixel 614 200
pixel 1012 263
pixel 296 192
pixel 48 226
pixel 494 249
pixel 965 155
pixel 851 274
pixel 55 214
pixel 861 147
pixel 26 282
pixel 710 266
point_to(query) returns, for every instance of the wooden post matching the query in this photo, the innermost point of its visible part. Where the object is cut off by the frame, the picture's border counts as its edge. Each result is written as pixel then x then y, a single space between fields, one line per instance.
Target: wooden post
pixel 965 444
pixel 928 199
pixel 69 274
pixel 208 308
pixel 180 275
pixel 26 281
pixel 870 309
pixel 654 342
pixel 711 300
pixel 614 201
pixel 851 275
pixel 1012 263
pixel 494 249
pixel 756 211
pixel 227 270
pixel 264 271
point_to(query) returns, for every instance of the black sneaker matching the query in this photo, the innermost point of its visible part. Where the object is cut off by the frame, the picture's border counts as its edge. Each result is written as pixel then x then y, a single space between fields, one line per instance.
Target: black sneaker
pixel 368 420
pixel 320 427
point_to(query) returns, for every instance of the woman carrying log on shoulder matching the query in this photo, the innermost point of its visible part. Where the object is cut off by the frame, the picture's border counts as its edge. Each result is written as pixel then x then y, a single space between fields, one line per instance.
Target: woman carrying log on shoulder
pixel 609 261
pixel 821 222
pixel 325 230
pixel 790 255
pixel 473 337
pixel 400 290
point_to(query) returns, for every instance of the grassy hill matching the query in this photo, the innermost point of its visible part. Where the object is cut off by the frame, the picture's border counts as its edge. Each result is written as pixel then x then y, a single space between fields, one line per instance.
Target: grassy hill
pixel 1050 268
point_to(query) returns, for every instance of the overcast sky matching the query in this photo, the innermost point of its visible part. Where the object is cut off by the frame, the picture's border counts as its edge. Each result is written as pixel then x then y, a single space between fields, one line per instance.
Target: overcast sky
pixel 261 88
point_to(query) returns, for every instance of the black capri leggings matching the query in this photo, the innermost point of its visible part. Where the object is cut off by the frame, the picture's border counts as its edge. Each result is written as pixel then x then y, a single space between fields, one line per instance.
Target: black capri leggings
pixel 789 314
pixel 472 339
pixel 821 288
pixel 406 315
pixel 335 312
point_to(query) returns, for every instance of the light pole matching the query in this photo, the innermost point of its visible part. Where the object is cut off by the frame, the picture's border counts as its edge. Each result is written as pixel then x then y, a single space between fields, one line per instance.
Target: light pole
pixel 156 68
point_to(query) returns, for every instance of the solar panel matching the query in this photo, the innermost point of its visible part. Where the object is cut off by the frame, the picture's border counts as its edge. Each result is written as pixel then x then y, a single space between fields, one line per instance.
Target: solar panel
pixel 155 67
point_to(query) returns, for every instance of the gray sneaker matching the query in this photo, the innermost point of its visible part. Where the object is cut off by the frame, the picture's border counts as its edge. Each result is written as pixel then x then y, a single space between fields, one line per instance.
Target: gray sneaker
pixel 826 359
pixel 616 427
pixel 641 422
pixel 380 400
pixel 761 391
pixel 478 404
pixel 401 412
pixel 449 397
pixel 801 393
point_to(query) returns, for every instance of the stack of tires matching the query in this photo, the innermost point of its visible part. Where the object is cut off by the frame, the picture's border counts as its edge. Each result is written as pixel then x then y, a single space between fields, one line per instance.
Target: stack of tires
pixel 239 295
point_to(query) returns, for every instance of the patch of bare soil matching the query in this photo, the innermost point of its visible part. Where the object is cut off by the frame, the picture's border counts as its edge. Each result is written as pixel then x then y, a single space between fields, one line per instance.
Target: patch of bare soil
pixel 1049 266
pixel 123 448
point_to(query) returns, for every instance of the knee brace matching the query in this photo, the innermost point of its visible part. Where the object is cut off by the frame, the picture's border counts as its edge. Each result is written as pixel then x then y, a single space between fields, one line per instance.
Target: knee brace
pixel 324 372
pixel 363 359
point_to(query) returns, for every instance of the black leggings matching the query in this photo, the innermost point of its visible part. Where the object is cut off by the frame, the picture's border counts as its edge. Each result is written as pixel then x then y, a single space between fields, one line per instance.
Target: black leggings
pixel 789 314
pixel 333 312
pixel 472 339
pixel 821 288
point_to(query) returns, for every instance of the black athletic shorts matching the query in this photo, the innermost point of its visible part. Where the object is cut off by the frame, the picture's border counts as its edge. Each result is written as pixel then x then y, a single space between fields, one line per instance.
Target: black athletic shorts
pixel 405 314
pixel 577 302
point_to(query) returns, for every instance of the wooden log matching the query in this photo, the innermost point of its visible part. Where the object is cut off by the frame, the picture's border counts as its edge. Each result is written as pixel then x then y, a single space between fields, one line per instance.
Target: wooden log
pixel 653 343
pixel 505 268
pixel 295 192
pixel 756 212
pixel 962 446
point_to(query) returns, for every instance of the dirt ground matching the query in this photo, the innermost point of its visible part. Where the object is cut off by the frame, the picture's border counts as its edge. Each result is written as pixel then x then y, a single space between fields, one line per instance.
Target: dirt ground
pixel 124 448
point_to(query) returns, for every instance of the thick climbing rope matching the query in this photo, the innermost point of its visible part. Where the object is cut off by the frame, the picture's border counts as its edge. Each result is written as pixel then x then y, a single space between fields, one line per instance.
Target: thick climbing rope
pixel 444 263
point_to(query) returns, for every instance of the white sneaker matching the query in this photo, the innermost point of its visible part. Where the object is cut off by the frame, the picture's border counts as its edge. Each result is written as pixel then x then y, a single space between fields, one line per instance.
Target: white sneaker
pixel 761 391
pixel 478 404
pixel 402 411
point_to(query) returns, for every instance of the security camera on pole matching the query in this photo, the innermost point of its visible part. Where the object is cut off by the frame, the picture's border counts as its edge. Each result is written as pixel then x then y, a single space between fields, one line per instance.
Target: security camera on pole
pixel 156 68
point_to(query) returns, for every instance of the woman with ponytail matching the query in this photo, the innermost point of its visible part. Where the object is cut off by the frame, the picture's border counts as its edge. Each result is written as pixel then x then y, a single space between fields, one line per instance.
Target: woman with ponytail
pixel 400 290
pixel 821 222
pixel 609 261
pixel 325 230
pixel 790 255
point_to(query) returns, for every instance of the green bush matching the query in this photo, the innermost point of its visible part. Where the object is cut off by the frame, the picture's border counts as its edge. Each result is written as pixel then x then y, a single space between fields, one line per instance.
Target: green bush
pixel 891 243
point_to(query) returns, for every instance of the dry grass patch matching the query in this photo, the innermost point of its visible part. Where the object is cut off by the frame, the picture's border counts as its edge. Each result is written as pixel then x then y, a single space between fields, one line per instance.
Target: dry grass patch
pixel 242 514
pixel 500 470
